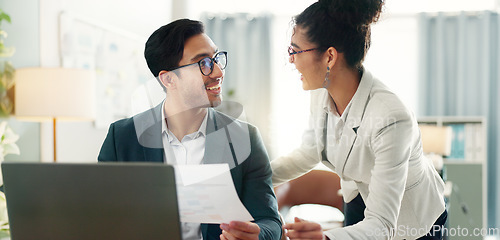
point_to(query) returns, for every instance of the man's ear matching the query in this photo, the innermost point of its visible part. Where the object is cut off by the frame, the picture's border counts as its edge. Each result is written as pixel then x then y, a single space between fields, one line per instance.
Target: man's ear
pixel 167 79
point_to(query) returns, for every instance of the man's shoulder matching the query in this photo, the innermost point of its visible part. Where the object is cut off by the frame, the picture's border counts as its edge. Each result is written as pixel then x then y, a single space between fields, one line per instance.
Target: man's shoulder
pixel 123 123
pixel 224 119
pixel 139 122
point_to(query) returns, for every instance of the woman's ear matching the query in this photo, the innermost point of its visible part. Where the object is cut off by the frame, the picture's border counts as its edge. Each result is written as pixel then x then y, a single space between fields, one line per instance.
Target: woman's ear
pixel 166 78
pixel 332 55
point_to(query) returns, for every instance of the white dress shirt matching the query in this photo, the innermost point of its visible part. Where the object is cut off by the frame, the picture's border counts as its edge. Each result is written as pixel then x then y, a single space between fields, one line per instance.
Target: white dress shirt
pixel 188 151
pixel 334 128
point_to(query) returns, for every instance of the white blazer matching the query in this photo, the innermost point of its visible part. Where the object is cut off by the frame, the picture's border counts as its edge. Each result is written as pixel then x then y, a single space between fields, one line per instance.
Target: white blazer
pixel 380 156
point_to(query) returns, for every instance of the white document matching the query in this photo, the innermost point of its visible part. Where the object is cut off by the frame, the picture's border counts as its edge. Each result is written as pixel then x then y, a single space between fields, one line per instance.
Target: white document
pixel 206 194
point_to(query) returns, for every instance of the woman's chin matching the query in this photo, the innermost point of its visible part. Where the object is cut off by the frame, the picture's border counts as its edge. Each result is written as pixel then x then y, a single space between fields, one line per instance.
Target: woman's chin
pixel 306 86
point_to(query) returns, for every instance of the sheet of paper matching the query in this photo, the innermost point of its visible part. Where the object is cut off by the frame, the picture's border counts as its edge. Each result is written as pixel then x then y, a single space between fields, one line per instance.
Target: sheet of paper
pixel 206 194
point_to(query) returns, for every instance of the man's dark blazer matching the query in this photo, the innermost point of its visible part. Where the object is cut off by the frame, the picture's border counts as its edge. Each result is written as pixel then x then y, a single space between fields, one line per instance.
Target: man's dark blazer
pixel 138 139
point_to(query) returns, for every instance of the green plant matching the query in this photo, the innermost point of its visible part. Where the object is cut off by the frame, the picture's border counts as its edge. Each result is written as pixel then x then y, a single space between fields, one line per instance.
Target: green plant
pixel 8 145
pixel 6 69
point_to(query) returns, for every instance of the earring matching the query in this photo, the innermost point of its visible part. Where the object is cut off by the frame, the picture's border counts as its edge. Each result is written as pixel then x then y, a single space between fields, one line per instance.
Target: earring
pixel 327 79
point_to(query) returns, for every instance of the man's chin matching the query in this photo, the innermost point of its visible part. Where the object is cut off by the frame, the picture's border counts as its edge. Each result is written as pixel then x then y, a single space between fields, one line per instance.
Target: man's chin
pixel 216 102
pixel 212 103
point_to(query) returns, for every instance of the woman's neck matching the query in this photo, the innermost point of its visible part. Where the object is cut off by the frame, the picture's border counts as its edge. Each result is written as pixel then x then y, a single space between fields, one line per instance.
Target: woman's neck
pixel 344 83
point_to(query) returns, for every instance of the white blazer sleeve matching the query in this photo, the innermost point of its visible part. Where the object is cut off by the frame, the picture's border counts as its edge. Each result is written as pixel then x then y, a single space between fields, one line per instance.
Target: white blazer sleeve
pixel 308 155
pixel 391 144
pixel 298 162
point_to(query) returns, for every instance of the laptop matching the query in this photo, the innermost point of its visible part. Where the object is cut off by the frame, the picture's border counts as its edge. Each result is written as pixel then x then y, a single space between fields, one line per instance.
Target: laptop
pixel 62 201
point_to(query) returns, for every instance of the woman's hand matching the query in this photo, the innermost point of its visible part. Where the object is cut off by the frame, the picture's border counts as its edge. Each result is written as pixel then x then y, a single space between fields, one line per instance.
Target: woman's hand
pixel 302 229
pixel 236 230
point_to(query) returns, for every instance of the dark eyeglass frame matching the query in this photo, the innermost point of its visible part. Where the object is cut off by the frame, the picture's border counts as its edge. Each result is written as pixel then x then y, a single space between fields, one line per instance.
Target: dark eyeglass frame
pixel 213 60
pixel 292 52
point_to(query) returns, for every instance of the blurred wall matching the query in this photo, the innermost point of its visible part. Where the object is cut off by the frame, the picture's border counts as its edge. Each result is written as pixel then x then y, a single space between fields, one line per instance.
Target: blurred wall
pixel 34 33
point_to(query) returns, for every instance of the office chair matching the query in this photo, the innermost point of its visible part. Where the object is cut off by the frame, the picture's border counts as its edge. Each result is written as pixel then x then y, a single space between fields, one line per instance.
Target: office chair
pixel 314 192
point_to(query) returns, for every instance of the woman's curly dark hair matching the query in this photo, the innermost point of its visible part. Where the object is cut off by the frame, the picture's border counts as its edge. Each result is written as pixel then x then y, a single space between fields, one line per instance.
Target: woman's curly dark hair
pixel 342 24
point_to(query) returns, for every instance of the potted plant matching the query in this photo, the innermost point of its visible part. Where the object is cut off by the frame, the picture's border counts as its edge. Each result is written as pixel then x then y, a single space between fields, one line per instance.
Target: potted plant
pixel 8 145
pixel 6 70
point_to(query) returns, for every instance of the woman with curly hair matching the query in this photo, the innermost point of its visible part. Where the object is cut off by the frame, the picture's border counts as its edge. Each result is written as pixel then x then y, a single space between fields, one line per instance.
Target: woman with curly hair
pixel 361 130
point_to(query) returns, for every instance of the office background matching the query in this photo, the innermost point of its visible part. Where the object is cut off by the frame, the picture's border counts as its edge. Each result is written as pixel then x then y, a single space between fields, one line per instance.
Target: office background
pixel 398 57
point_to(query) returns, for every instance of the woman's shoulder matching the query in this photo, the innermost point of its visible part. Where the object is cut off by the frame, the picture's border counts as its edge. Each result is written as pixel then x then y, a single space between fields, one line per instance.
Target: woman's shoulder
pixel 384 103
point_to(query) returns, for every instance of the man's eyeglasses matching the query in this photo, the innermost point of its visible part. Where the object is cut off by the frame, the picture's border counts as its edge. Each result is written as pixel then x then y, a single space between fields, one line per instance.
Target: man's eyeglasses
pixel 207 64
pixel 293 52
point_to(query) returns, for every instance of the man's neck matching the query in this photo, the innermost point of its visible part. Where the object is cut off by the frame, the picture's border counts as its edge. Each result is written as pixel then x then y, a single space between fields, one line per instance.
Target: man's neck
pixel 182 123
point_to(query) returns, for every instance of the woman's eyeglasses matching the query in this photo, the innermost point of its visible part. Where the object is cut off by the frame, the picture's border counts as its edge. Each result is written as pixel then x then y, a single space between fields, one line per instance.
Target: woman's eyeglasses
pixel 293 52
pixel 207 64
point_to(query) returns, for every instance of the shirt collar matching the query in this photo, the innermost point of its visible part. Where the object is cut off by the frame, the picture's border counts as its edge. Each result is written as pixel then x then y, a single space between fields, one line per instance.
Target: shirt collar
pixel 171 137
pixel 330 107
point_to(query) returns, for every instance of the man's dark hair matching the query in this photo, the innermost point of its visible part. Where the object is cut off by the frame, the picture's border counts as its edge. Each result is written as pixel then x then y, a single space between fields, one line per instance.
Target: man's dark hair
pixel 165 47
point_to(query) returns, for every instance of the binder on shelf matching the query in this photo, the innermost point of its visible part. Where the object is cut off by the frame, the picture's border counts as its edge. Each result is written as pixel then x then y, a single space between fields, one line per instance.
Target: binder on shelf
pixel 457 142
pixel 468 139
pixel 467 142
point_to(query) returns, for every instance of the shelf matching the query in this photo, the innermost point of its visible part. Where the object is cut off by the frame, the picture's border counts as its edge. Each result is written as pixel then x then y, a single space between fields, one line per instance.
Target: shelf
pixel 465 167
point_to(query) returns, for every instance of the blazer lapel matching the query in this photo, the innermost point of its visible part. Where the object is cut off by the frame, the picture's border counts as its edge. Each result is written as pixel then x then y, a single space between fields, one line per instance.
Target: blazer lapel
pixel 204 231
pixel 215 140
pixel 148 129
pixel 153 154
pixel 353 121
pixel 345 147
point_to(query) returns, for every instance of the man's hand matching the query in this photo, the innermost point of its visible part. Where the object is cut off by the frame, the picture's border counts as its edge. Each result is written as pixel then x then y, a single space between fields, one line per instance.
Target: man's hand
pixel 236 230
pixel 302 229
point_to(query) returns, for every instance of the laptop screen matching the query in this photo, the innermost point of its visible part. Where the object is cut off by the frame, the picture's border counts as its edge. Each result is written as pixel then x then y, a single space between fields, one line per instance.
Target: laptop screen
pixel 91 201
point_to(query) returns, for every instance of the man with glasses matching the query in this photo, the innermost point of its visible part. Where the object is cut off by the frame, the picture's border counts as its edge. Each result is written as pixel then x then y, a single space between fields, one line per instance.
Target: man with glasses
pixel 185 129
